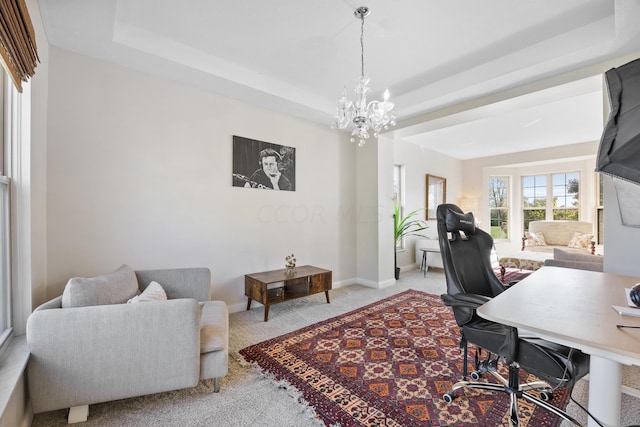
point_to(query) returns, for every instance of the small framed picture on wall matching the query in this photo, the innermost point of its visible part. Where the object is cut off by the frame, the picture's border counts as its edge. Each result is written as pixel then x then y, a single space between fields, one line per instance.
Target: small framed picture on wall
pixel 263 165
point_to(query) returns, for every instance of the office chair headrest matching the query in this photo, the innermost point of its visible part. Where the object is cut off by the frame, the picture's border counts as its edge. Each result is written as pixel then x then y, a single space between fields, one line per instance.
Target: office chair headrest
pixel 458 221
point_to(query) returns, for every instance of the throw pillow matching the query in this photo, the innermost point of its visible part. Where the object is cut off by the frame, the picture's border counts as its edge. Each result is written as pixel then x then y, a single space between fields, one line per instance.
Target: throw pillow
pixel 580 241
pixel 535 239
pixel 113 288
pixel 153 292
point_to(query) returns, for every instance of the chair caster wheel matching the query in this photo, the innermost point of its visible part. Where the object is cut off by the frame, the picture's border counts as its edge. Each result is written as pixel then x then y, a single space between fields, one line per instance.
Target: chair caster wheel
pixel 475 375
pixel 546 395
pixel 448 397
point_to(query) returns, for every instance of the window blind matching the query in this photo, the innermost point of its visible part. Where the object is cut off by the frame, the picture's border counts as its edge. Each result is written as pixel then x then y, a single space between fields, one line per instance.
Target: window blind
pixel 18 50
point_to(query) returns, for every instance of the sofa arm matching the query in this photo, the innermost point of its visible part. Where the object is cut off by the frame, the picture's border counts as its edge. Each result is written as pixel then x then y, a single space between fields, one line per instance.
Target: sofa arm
pixel 87 355
pixel 179 282
pixel 580 265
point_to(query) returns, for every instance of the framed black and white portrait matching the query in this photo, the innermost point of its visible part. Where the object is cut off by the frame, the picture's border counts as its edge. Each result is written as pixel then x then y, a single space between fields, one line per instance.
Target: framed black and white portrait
pixel 263 165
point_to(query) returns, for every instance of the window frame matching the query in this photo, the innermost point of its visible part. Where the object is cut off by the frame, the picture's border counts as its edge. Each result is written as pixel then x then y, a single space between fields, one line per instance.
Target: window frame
pixel 9 115
pixel 6 324
pixel 555 209
pixel 549 197
pixel 506 208
pixel 599 209
pixel 398 195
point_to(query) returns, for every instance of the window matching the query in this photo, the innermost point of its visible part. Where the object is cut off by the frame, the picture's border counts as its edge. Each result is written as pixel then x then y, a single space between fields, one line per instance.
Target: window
pixel 600 210
pixel 566 187
pixel 5 276
pixel 534 198
pixel 499 206
pixel 551 196
pixel 398 194
pixel 5 295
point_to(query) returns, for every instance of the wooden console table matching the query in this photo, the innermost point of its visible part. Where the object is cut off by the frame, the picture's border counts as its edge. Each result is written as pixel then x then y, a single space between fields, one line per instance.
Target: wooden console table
pixel 306 280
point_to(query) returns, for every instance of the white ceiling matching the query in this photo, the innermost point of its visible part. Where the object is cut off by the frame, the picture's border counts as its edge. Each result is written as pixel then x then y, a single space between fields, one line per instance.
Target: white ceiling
pixel 295 56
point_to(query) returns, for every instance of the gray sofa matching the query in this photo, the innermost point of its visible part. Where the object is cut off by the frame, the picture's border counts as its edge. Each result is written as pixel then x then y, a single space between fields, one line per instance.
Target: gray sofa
pixel 567 259
pixel 89 345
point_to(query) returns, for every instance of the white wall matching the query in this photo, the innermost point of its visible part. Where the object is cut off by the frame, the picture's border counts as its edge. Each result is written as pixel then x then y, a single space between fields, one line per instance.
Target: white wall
pixel 139 172
pixel 418 162
pixel 620 242
pixel 38 159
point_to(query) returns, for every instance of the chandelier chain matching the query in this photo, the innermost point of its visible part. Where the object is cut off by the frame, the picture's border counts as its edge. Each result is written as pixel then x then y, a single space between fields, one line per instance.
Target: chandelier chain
pixel 362 44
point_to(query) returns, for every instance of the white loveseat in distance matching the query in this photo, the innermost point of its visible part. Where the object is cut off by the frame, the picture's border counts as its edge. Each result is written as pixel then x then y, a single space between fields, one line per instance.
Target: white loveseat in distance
pixel 560 234
pixel 90 346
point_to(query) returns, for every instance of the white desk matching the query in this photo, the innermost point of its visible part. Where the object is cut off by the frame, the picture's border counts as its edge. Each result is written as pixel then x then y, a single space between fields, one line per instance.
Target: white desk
pixel 573 308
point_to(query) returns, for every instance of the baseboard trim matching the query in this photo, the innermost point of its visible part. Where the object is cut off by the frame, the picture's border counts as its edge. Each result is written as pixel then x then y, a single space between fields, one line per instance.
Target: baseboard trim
pixel 631 391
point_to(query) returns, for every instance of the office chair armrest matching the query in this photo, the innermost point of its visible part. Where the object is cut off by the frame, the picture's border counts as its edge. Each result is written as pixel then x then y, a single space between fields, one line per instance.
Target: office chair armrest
pixel 464 300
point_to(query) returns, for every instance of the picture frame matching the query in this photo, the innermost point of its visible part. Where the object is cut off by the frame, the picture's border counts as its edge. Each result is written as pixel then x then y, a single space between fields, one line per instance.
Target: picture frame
pixel 436 191
pixel 263 165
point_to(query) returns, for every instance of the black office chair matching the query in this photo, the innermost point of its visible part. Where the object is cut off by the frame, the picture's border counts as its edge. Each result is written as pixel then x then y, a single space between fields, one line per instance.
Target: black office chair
pixel 471 282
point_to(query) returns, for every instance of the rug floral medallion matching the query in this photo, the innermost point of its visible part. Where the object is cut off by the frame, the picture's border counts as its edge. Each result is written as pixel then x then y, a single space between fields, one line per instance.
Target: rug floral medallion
pixel 388 364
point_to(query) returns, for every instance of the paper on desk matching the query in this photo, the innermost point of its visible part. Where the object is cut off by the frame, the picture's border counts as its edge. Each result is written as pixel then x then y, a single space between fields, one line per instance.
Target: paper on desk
pixel 627 311
pixel 631 310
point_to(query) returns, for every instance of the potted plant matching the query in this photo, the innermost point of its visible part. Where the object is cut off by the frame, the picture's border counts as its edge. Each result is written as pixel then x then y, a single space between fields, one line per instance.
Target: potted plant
pixel 407 226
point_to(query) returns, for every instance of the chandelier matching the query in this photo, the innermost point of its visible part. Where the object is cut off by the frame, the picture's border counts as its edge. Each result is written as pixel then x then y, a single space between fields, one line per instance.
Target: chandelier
pixel 375 115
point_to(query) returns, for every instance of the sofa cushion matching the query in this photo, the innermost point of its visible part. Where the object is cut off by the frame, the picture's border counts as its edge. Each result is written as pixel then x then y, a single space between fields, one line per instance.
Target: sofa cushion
pixel 580 240
pixel 214 326
pixel 113 288
pixel 153 292
pixel 535 239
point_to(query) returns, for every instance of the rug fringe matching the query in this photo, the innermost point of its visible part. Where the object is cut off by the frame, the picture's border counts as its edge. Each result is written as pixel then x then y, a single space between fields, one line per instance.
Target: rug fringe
pixel 238 358
pixel 292 391
pixel 282 384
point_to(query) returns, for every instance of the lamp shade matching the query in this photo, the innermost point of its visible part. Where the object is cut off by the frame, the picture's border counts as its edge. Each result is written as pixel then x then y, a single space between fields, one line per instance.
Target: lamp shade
pixel 469 205
pixel 619 151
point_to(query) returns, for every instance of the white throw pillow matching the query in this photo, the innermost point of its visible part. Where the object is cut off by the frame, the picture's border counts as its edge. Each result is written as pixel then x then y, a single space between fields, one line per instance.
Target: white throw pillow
pixel 535 239
pixel 580 241
pixel 153 292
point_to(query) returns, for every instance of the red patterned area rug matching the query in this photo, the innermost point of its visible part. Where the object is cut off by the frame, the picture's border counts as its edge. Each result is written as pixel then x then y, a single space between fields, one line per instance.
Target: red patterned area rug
pixel 512 274
pixel 388 364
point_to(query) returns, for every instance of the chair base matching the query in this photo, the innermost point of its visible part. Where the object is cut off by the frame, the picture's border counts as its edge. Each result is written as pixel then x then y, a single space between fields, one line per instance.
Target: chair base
pixel 515 392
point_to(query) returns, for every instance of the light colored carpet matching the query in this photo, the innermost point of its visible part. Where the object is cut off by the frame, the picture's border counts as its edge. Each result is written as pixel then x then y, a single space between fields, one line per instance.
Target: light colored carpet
pixel 248 398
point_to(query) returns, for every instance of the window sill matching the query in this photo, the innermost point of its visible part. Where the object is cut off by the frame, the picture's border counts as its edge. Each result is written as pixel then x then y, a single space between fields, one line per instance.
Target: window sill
pixel 13 363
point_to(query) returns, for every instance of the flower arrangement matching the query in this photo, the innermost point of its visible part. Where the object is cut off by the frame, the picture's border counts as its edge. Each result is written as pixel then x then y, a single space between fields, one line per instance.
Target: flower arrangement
pixel 290 266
